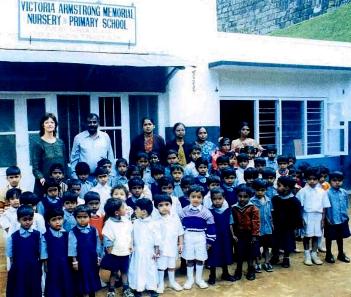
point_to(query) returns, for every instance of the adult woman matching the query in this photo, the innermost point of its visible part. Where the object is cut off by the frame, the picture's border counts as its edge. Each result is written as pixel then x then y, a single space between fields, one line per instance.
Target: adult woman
pixel 244 140
pixel 207 147
pixel 178 144
pixel 47 151
pixel 147 142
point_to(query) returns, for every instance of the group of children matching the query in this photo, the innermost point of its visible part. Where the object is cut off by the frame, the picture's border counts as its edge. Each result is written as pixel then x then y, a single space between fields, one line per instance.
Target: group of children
pixel 126 227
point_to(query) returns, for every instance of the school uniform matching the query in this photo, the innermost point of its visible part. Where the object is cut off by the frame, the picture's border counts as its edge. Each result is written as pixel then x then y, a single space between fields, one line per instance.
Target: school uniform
pixel 69 220
pixel 59 271
pixel 105 193
pixel 229 194
pixel 85 187
pixel 47 203
pixel 143 268
pixel 24 277
pixel 84 244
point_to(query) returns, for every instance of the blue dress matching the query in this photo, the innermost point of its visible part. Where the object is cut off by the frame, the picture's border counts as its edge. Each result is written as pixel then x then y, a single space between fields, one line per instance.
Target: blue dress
pixel 59 276
pixel 87 277
pixel 230 194
pixel 24 277
pixel 221 252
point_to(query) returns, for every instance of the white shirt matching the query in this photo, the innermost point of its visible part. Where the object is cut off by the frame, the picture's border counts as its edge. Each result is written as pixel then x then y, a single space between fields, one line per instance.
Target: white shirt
pixel 104 192
pixel 313 199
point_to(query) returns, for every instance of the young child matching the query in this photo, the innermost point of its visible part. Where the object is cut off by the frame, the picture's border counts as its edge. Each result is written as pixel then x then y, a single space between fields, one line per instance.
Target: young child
pixel 51 198
pixel 323 180
pixel 57 172
pixel 177 173
pixel 190 168
pixel 201 166
pixel 185 184
pixel 313 200
pixel 337 218
pixel 200 233
pixel 24 250
pixel 146 249
pixel 157 171
pixel 74 186
pixel 250 174
pixel 69 201
pixel 251 151
pixel 291 160
pixel 154 158
pixel 243 162
pixel 286 214
pixel 144 166
pixel 271 161
pixel 117 233
pixel 264 205
pixel 224 147
pixel 57 265
pixel 260 164
pixel 269 174
pixel 85 249
pixel 213 181
pixel 136 185
pixel 172 159
pixel 102 186
pixel 121 192
pixel 246 228
pixel 166 185
pixel 13 177
pixel 121 168
pixel 92 200
pixel 283 162
pixel 83 171
pixel 228 186
pixel 107 164
pixel 221 252
pixel 134 171
pixel 172 234
pixel 8 220
pixel 233 162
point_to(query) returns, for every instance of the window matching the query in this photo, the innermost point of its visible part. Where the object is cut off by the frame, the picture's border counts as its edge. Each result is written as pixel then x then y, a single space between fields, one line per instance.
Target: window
pixel 7 133
pixel 110 121
pixel 35 111
pixel 336 129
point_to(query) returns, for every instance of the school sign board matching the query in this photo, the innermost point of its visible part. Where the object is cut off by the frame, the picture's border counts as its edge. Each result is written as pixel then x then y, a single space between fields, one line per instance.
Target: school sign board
pixel 76 22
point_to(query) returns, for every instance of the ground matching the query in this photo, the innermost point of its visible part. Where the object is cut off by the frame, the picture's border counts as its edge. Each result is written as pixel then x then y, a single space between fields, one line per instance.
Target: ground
pixel 327 280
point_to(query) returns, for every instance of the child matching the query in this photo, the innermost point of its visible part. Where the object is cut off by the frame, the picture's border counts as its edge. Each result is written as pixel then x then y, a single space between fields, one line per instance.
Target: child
pixel 57 172
pixel 190 168
pixel 260 164
pixel 213 181
pixel 8 220
pixel 269 174
pixel 121 168
pixel 83 171
pixel 264 205
pixel 222 163
pixel 233 162
pixel 84 247
pixel 271 157
pixel 286 215
pixel 251 151
pixel 313 200
pixel 69 201
pixel 92 200
pixel 24 251
pixel 250 174
pixel 172 234
pixel 185 184
pixel 107 164
pixel 201 166
pixel 157 171
pixel 246 228
pixel 221 252
pixel 51 198
pixel 154 158
pixel 167 187
pixel 144 166
pixel 74 186
pixel 172 159
pixel 117 233
pixel 146 242
pixel 323 180
pixel 282 166
pixel 29 198
pixel 134 171
pixel 200 233
pixel 102 187
pixel 224 147
pixel 291 161
pixel 13 177
pixel 136 185
pixel 121 192
pixel 56 262
pixel 177 173
pixel 243 162
pixel 336 220
pixel 228 186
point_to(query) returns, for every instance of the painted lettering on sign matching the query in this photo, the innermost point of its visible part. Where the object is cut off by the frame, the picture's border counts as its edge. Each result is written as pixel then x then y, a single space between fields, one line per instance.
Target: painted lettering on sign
pixel 84 22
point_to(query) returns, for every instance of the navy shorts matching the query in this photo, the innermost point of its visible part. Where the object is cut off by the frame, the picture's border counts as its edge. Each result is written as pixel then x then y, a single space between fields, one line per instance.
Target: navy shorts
pixel 115 263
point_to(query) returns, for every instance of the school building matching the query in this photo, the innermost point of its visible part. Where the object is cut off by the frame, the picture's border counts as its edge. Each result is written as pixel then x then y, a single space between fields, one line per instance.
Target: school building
pixel 165 59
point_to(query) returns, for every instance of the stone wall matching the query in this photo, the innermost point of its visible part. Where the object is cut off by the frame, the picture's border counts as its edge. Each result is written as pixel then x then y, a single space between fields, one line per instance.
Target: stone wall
pixel 265 16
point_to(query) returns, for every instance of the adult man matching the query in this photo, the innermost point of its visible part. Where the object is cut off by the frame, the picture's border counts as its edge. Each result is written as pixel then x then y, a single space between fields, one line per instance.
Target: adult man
pixel 91 145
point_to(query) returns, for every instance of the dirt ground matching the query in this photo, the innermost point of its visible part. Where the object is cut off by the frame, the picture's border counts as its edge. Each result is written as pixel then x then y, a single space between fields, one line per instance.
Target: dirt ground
pixel 327 280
